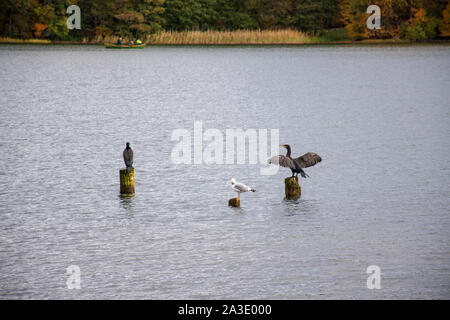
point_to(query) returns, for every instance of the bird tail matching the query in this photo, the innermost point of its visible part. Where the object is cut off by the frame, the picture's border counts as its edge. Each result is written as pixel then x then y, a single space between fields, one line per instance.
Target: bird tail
pixel 304 175
pixel 129 169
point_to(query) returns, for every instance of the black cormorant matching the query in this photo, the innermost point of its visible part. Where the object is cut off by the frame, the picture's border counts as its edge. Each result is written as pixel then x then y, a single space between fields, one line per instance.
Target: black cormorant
pixel 307 160
pixel 128 157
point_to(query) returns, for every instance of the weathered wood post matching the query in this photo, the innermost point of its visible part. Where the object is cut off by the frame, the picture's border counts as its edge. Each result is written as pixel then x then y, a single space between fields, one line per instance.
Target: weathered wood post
pixel 292 188
pixel 127 182
pixel 235 202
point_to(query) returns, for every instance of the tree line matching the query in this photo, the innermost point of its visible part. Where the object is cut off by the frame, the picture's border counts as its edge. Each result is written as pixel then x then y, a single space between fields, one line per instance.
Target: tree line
pixel 402 19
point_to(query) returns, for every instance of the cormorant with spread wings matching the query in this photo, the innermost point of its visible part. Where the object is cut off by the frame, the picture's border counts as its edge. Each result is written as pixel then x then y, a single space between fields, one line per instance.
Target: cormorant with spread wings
pixel 296 164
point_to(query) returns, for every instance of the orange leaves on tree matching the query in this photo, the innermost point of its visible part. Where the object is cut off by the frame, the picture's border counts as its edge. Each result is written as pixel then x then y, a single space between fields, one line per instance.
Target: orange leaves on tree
pixel 38 28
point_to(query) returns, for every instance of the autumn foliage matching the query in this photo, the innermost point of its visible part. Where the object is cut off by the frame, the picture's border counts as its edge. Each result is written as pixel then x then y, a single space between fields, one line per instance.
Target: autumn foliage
pixel 146 19
pixel 38 28
pixel 401 19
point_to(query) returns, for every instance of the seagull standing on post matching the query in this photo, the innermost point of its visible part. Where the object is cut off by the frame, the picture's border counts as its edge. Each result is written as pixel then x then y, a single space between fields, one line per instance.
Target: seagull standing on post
pixel 128 157
pixel 240 187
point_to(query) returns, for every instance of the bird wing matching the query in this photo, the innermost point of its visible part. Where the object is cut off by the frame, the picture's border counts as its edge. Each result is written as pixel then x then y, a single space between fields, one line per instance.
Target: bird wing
pixel 235 189
pixel 128 157
pixel 241 187
pixel 282 161
pixel 308 159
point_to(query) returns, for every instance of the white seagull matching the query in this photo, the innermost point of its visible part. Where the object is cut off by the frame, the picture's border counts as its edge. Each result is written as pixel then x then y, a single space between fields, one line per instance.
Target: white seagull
pixel 240 187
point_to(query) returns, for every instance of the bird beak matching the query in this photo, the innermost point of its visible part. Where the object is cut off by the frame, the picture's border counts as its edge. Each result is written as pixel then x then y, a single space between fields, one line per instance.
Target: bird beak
pixel 283 145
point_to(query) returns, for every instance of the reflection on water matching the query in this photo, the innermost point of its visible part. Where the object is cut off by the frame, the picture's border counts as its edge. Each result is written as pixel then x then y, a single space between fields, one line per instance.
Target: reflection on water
pixel 126 202
pixel 299 206
pixel 377 115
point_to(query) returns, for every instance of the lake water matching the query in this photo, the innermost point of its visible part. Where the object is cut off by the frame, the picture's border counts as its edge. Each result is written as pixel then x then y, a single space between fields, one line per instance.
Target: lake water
pixel 378 115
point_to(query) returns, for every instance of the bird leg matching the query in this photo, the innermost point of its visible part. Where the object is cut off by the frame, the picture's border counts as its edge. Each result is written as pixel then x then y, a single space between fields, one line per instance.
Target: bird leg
pixel 304 175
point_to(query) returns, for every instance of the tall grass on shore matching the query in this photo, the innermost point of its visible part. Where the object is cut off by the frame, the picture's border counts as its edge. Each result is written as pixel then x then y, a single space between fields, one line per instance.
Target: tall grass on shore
pixel 13 40
pixel 242 37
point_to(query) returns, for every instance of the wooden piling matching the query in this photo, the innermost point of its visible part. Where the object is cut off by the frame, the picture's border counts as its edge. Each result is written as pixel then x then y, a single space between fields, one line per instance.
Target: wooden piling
pixel 235 202
pixel 292 188
pixel 126 182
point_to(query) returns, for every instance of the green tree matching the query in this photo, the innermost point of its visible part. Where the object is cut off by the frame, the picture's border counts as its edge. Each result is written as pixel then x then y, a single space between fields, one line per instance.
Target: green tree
pixel 234 14
pixel 53 14
pixel 315 15
pixel 152 11
pixel 182 15
pixel 135 18
pixel 420 27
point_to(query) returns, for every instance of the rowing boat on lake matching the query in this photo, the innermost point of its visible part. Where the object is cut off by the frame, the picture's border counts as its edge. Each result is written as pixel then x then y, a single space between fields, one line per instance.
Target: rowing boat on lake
pixel 124 46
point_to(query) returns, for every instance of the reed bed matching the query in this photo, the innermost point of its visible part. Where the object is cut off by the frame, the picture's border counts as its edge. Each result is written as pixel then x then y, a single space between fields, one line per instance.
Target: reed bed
pixel 238 37
pixel 12 40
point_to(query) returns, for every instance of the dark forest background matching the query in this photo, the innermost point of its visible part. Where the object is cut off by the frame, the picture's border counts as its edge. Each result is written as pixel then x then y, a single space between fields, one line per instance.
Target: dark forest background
pixel 46 19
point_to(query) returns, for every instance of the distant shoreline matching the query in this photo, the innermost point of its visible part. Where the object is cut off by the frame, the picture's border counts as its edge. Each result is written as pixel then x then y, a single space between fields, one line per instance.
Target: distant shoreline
pixel 306 43
pixel 282 37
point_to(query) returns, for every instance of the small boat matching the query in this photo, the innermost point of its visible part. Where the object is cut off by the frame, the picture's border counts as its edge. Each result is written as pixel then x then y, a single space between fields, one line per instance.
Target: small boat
pixel 124 46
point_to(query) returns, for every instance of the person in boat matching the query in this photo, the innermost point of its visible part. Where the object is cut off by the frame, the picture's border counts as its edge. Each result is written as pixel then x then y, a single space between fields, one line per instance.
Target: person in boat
pixel 119 41
pixel 138 41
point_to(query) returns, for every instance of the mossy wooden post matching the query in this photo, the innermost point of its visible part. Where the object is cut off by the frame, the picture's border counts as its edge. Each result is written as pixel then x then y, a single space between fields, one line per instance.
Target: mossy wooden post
pixel 126 181
pixel 235 202
pixel 292 188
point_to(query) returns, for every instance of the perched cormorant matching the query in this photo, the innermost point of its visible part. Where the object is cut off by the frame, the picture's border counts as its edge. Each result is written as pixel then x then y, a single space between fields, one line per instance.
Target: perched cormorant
pixel 307 160
pixel 128 157
pixel 240 187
